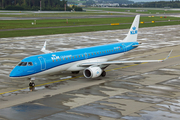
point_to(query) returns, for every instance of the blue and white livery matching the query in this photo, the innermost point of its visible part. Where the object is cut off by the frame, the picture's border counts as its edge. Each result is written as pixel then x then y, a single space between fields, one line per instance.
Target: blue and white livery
pixel 92 60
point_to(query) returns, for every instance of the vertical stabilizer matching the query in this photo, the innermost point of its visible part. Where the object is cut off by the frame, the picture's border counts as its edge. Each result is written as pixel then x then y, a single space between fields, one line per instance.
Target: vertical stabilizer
pixel 133 32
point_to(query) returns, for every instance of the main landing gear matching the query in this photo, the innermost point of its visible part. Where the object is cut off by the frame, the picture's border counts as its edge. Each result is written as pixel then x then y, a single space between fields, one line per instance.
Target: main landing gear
pixel 103 74
pixel 75 72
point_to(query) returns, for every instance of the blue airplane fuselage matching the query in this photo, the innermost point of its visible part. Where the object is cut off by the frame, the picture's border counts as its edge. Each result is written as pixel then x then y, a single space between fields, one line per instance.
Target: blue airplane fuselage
pixel 52 62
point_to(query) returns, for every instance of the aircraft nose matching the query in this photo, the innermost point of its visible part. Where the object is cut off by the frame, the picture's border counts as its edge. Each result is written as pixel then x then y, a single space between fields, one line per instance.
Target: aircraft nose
pixel 14 73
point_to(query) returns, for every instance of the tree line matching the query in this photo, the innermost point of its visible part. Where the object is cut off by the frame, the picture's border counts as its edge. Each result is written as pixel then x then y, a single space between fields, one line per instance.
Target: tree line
pixel 56 5
pixel 160 4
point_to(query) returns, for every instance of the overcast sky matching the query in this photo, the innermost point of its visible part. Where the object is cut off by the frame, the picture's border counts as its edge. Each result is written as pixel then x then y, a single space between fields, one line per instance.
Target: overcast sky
pixel 148 0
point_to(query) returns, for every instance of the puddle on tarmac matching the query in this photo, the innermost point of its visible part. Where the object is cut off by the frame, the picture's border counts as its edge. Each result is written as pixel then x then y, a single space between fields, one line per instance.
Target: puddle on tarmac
pixel 154 115
pixel 162 72
pixel 122 84
pixel 92 90
pixel 70 116
pixel 27 111
pixel 174 82
pixel 133 77
pixel 141 97
pixel 98 109
pixel 156 91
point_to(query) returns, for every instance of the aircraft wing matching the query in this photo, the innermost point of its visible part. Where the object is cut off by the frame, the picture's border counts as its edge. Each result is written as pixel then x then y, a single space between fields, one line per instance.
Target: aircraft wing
pixel 44 49
pixel 122 62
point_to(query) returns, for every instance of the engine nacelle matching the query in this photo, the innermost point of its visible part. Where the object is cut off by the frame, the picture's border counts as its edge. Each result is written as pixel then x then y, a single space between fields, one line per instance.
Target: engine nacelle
pixel 92 72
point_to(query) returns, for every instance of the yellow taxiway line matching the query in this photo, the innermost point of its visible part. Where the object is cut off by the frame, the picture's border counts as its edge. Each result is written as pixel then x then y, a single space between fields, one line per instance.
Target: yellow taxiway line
pixel 76 77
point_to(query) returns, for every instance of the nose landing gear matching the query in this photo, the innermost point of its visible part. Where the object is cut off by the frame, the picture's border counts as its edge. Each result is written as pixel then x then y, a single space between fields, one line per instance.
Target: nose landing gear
pixel 31 83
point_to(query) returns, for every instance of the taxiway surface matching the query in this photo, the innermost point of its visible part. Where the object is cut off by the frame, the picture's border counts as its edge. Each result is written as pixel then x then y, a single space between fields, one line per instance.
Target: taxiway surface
pixel 129 91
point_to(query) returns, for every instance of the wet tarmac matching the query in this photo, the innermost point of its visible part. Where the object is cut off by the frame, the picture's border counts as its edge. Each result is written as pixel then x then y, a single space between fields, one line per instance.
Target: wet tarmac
pixel 130 91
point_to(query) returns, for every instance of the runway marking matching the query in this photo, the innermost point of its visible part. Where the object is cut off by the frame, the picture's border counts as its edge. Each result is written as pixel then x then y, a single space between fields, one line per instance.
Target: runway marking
pixel 78 77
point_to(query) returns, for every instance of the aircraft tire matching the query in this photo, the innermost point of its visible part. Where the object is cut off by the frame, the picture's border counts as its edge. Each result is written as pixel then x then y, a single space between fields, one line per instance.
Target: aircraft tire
pixel 31 84
pixel 103 74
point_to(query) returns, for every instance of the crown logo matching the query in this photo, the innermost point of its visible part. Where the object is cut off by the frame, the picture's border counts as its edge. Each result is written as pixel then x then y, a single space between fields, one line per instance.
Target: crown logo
pixel 134 28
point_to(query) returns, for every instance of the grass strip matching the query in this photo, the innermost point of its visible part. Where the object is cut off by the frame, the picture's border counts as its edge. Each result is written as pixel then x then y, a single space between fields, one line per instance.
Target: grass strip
pixel 13 24
pixel 133 10
pixel 50 31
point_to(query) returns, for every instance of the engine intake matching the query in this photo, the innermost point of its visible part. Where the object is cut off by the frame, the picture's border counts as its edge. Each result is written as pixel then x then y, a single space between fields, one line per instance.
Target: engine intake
pixel 92 72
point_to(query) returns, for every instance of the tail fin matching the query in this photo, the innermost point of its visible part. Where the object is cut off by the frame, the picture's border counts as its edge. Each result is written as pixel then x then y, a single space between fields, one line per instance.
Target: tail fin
pixel 133 32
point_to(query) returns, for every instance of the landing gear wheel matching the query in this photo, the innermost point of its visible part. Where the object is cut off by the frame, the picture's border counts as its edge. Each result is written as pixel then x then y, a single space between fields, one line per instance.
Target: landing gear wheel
pixel 103 74
pixel 75 72
pixel 31 84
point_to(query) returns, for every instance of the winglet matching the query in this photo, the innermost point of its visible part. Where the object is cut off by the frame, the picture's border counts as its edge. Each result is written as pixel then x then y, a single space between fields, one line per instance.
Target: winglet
pixel 44 49
pixel 167 56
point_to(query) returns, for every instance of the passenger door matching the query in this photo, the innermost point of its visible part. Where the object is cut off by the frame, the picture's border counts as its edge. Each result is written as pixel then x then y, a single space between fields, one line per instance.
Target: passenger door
pixel 42 62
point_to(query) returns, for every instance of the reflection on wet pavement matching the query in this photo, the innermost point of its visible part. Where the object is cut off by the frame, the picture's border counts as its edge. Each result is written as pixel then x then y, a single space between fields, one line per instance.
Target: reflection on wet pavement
pixel 159 105
pixel 26 111
pixel 138 95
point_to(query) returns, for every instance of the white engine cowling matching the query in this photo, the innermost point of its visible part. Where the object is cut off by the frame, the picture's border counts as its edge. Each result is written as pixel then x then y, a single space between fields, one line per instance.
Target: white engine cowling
pixel 92 72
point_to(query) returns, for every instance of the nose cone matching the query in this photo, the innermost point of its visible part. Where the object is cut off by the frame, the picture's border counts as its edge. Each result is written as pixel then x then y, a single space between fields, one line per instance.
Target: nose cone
pixel 14 73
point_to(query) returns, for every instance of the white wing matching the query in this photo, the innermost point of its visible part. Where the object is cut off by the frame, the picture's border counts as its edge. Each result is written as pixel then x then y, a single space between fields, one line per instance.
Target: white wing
pixel 122 62
pixel 44 49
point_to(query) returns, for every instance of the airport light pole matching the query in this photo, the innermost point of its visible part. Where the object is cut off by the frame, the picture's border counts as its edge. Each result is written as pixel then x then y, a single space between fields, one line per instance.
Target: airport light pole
pixel 40 5
pixel 2 4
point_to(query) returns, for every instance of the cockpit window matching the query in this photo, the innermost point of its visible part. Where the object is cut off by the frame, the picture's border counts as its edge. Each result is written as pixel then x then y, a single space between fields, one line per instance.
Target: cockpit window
pixel 30 64
pixel 22 64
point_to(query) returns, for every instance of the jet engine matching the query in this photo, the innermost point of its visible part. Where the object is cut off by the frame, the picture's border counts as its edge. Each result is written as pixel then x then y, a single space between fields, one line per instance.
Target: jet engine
pixel 92 72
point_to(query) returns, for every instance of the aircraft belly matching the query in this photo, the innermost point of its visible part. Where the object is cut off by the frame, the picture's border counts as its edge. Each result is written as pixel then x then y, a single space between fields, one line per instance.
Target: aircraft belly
pixel 75 66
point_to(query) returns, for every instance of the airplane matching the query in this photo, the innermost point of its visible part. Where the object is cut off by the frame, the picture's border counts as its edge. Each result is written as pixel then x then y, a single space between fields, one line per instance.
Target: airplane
pixel 92 60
